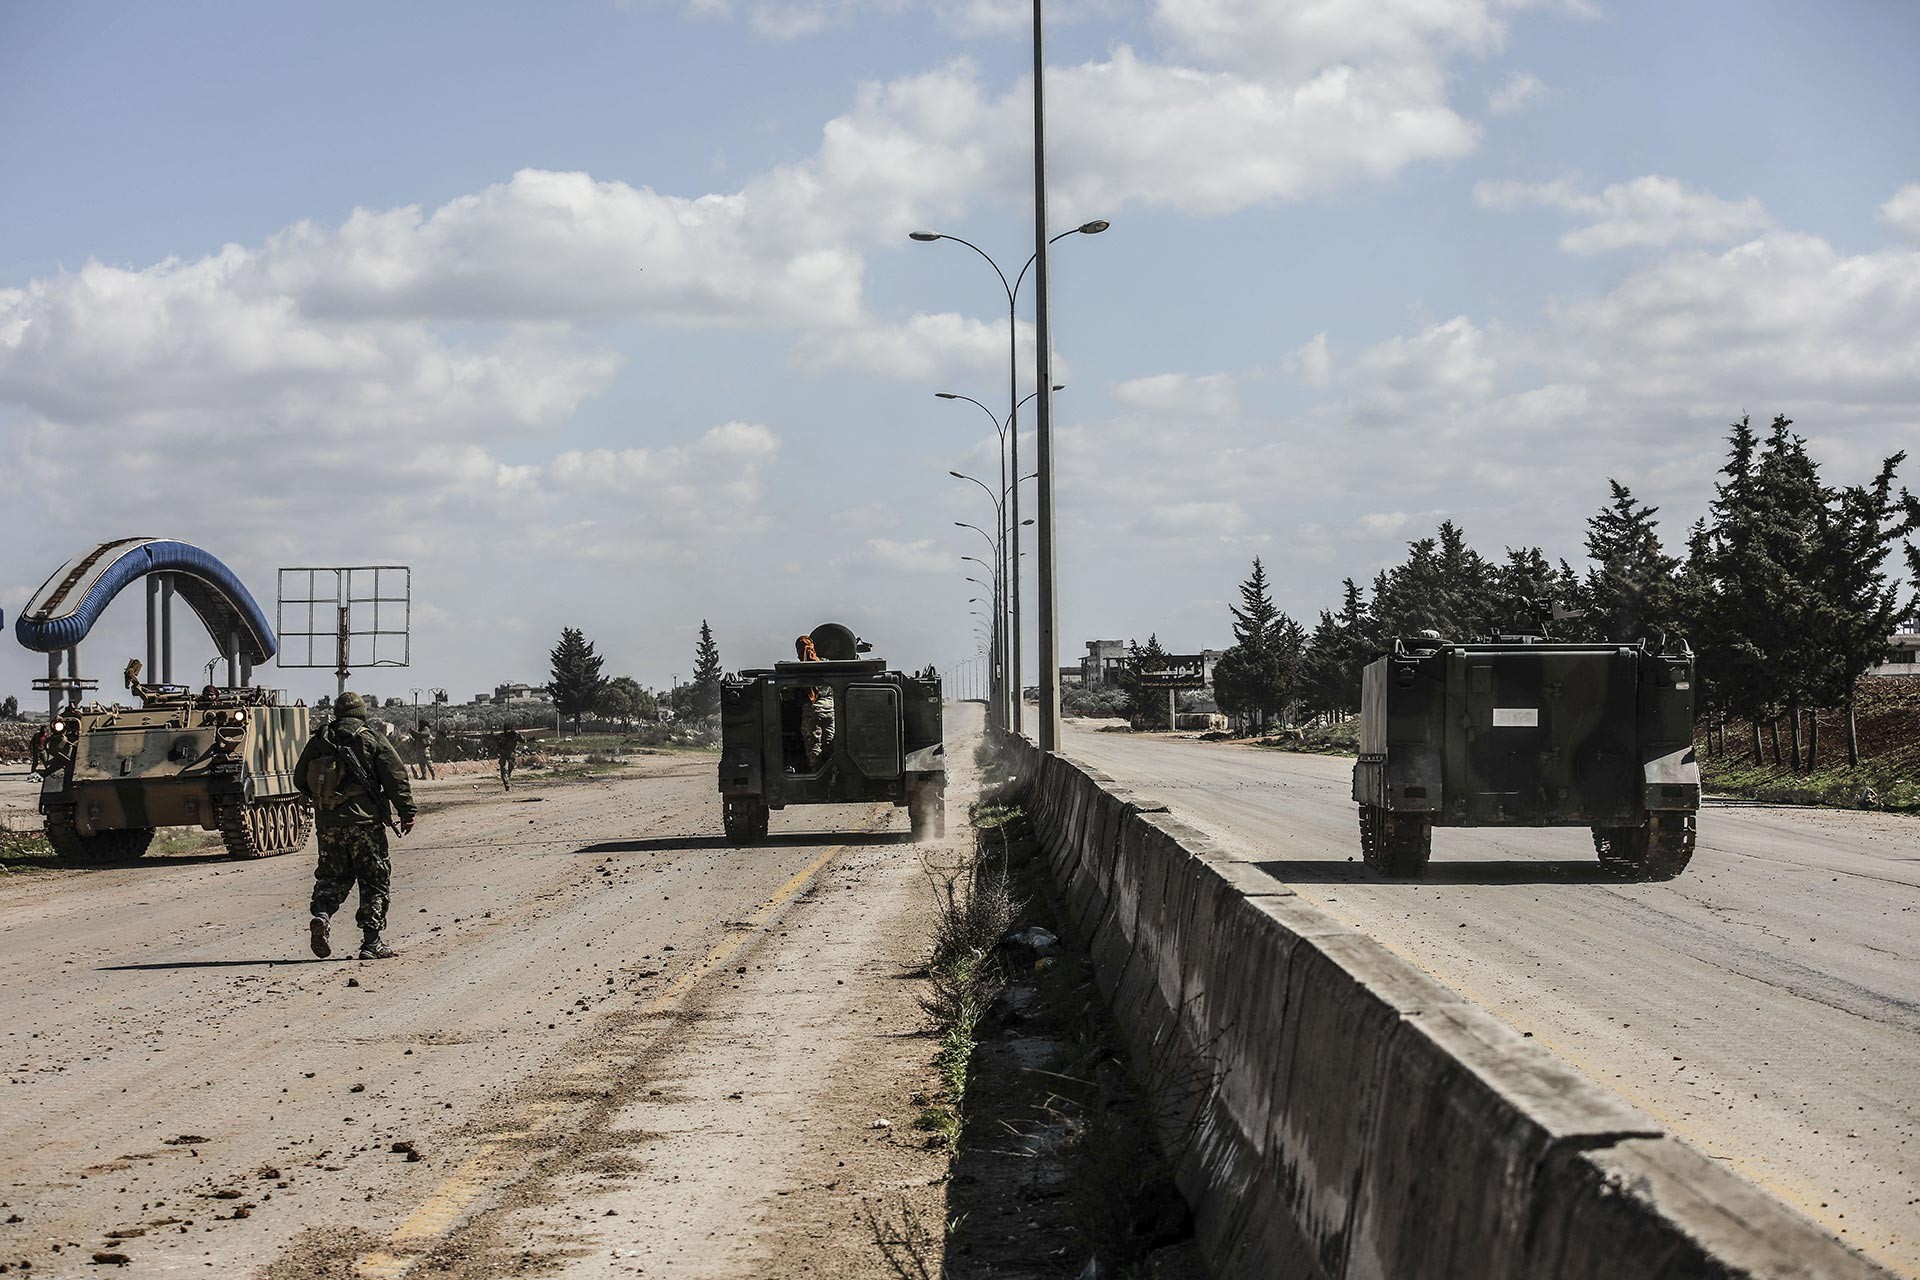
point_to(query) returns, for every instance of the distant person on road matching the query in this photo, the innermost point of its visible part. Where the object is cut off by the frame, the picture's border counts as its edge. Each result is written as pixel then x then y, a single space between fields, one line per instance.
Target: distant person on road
pixel 37 747
pixel 358 785
pixel 423 750
pixel 816 712
pixel 505 746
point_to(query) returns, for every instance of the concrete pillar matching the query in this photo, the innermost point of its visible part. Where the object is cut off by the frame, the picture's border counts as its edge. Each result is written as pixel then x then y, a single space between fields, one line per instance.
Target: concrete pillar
pixel 53 685
pixel 166 629
pixel 233 660
pixel 153 627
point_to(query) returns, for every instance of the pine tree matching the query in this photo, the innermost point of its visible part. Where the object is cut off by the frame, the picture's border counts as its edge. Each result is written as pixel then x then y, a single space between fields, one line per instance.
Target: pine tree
pixel 1147 706
pixel 1322 684
pixel 576 684
pixel 1630 589
pixel 1858 607
pixel 706 675
pixel 1254 620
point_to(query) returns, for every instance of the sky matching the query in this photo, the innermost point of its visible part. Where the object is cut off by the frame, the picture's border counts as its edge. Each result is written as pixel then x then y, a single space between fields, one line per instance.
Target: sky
pixel 604 314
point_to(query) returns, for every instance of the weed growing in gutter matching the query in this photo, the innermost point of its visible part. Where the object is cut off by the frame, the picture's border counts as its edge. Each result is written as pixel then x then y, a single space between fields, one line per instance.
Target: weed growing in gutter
pixel 976 907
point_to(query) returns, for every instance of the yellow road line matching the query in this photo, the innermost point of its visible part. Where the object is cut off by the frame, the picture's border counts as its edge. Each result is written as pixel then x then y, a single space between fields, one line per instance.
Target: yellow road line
pixel 442 1210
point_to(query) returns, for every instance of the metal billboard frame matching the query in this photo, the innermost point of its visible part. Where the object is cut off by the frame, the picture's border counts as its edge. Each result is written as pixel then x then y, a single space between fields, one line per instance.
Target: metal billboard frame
pixel 340 616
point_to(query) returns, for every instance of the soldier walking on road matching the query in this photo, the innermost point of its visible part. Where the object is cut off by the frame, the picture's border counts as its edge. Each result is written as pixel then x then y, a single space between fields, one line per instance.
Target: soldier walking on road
pixel 423 744
pixel 359 786
pixel 38 746
pixel 504 747
pixel 816 713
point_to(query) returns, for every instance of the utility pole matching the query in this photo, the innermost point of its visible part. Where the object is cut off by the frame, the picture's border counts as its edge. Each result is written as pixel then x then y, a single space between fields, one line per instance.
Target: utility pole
pixel 1049 655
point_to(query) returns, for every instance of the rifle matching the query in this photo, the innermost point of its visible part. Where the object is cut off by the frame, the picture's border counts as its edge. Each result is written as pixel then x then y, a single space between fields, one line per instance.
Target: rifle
pixel 361 776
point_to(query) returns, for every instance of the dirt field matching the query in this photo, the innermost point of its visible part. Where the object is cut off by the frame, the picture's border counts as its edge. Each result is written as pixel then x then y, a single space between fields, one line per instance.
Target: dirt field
pixel 612 1045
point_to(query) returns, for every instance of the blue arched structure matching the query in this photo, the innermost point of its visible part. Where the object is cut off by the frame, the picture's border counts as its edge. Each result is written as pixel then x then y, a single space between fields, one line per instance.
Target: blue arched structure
pixel 64 609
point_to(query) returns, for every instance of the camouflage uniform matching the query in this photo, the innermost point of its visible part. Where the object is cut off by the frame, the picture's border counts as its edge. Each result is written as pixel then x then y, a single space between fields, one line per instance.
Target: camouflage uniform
pixel 816 724
pixel 816 713
pixel 423 745
pixel 353 834
pixel 504 747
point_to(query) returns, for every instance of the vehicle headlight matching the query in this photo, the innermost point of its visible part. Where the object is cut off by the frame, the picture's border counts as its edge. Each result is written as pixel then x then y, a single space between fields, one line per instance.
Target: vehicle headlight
pixel 58 726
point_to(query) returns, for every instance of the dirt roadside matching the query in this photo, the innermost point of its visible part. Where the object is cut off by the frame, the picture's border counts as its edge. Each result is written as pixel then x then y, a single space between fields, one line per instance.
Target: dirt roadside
pixel 614 1046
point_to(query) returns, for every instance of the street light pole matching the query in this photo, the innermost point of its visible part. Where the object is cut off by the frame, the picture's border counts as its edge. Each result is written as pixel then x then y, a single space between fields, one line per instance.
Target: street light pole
pixel 1049 654
pixel 999 556
pixel 1044 369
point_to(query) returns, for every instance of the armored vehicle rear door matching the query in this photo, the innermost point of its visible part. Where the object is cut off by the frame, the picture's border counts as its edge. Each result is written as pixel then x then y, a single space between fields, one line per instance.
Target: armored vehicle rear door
pixel 1544 736
pixel 872 729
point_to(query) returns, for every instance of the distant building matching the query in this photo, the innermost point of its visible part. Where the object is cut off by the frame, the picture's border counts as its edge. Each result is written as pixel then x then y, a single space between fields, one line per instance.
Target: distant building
pixel 1102 663
pixel 1903 656
pixel 519 694
pixel 1105 659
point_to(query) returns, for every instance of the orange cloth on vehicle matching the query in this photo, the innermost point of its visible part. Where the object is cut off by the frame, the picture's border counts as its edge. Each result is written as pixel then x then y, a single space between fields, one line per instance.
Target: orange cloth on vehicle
pixel 803 646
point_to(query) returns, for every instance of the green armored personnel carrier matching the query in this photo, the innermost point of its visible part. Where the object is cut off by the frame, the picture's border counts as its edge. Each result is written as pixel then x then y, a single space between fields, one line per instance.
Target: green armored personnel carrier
pixel 1520 733
pixel 221 761
pixel 885 744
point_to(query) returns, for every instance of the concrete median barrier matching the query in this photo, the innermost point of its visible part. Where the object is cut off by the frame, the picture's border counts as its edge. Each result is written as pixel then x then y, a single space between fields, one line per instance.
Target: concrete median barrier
pixel 1335 1114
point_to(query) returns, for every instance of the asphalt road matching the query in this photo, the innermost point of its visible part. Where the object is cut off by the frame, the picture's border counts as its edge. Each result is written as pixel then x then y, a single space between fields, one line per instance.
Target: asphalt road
pixel 611 1041
pixel 1766 1005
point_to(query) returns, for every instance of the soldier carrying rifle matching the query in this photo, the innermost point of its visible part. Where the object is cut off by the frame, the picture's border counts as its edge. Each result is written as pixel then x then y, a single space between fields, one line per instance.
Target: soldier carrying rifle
pixel 359 789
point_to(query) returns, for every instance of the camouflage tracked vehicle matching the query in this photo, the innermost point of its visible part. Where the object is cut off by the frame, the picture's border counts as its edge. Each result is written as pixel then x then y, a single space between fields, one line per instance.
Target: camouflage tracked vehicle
pixel 1517 733
pixel 221 762
pixel 886 743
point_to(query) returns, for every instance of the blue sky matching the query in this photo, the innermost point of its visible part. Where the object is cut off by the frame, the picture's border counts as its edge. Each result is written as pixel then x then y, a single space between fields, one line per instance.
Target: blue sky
pixel 369 274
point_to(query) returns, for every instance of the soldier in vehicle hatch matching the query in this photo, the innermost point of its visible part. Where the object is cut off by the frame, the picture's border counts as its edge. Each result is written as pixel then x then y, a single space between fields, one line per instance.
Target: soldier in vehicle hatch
pixel 816 712
pixel 359 787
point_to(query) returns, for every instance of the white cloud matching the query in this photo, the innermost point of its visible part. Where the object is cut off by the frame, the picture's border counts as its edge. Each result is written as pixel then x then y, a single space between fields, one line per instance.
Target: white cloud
pixel 1296 39
pixel 921 557
pixel 1385 522
pixel 1520 90
pixel 1514 429
pixel 1652 211
pixel 784 20
pixel 1311 363
pixel 1902 210
pixel 719 471
pixel 926 348
pixel 1210 396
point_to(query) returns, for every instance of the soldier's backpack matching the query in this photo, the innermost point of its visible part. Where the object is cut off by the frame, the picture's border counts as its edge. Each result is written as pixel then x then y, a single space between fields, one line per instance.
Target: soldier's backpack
pixel 335 773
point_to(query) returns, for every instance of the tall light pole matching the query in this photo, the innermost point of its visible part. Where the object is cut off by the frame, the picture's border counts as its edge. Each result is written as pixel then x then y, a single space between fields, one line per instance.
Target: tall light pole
pixel 1009 492
pixel 996 656
pixel 1044 366
pixel 1049 654
pixel 999 593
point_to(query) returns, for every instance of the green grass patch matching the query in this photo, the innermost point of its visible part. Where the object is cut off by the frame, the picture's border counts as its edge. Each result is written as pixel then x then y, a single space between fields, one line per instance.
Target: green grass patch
pixel 1892 786
pixel 1341 739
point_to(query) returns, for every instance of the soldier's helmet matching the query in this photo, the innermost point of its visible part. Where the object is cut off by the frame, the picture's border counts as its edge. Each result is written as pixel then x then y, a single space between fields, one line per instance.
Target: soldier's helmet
pixel 350 704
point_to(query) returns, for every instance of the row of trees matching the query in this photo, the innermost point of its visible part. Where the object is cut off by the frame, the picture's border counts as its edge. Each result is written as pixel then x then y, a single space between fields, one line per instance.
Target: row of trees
pixel 1787 592
pixel 578 689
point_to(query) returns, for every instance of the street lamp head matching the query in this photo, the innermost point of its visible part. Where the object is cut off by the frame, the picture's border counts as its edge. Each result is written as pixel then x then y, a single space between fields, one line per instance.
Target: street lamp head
pixel 1024 524
pixel 1093 228
pixel 945 395
pixel 1059 386
pixel 956 475
pixel 928 237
